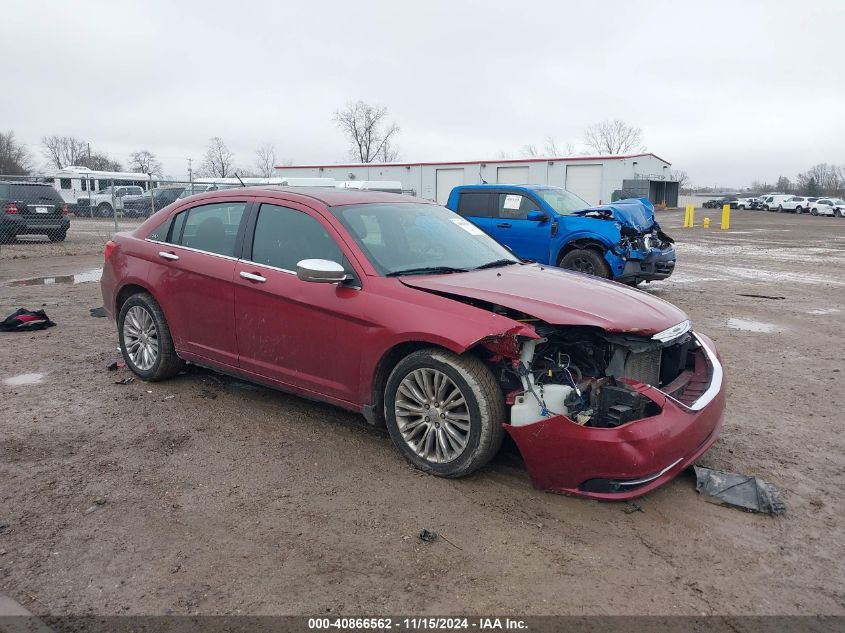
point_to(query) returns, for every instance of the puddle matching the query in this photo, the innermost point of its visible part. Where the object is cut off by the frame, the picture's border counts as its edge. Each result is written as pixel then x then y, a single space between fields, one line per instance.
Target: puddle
pixel 23 379
pixel 752 326
pixel 78 278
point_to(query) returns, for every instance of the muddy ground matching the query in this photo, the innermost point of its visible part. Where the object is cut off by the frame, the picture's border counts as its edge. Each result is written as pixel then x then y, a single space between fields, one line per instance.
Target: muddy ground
pixel 208 495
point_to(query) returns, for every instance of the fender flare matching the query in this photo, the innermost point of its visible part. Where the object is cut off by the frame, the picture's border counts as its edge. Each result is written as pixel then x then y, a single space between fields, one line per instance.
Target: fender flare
pixel 583 241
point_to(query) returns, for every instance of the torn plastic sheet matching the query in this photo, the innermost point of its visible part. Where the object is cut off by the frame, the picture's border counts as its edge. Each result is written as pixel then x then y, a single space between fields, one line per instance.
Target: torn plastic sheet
pixel 739 491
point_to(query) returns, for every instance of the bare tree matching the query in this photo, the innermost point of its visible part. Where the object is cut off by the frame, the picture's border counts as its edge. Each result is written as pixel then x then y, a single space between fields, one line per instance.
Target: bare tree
pixel 681 176
pixel 63 151
pixel 218 162
pixel 529 151
pixel 553 149
pixel 265 160
pixel 783 184
pixel 15 159
pixel 370 135
pixel 100 162
pixel 613 137
pixel 145 162
pixel 827 179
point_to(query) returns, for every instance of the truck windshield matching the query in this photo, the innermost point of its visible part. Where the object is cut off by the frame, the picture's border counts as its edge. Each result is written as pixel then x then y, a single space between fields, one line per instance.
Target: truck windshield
pixel 414 239
pixel 562 201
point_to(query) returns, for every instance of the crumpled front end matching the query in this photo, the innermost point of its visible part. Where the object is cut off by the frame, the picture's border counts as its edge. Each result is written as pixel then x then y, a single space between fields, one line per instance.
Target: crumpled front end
pixel 612 415
pixel 643 252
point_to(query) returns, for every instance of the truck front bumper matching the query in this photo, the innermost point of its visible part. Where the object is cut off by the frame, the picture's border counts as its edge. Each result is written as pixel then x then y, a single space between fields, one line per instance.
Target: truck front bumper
pixel 637 266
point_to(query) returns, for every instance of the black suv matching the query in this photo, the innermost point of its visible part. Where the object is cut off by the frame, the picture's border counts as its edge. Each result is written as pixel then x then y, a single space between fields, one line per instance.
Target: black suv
pixel 717 204
pixel 31 208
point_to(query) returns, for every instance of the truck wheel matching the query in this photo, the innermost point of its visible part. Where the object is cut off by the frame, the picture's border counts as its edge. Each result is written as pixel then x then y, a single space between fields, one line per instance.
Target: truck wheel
pixel 104 210
pixel 587 261
pixel 444 412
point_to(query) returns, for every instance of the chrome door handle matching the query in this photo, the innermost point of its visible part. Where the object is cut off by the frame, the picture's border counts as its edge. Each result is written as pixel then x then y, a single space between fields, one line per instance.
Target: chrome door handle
pixel 253 277
pixel 166 255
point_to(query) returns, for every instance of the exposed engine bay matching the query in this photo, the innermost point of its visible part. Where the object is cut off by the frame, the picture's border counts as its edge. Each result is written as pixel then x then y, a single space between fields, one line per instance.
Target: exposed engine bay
pixel 592 376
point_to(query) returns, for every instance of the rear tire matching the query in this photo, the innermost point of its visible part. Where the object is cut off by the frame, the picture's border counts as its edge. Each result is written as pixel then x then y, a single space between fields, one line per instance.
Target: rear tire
pixel 57 236
pixel 587 261
pixel 433 434
pixel 145 339
pixel 799 210
pixel 780 208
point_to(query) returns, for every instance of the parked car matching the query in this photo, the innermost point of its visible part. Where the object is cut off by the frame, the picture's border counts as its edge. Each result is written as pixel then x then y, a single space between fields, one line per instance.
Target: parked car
pixel 106 201
pixel 774 202
pixel 745 203
pixel 828 206
pixel 142 206
pixel 620 241
pixel 30 208
pixel 797 204
pixel 408 313
pixel 718 203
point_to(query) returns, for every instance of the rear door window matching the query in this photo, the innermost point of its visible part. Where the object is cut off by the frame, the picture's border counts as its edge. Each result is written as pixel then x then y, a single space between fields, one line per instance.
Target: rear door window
pixel 212 228
pixel 515 206
pixel 474 204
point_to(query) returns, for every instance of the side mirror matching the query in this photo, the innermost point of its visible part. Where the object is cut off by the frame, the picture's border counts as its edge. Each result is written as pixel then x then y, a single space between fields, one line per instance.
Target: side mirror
pixel 537 216
pixel 320 271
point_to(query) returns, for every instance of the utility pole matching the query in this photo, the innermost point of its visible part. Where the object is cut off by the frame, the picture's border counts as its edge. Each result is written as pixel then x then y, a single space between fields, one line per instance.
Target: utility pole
pixel 191 176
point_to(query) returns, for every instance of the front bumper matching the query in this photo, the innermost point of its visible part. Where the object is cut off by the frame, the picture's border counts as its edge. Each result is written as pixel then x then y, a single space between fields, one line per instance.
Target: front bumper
pixel 630 460
pixel 652 265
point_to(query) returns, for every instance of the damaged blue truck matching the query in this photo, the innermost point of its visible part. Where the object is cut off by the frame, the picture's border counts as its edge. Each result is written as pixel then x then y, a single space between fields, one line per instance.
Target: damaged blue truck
pixel 620 241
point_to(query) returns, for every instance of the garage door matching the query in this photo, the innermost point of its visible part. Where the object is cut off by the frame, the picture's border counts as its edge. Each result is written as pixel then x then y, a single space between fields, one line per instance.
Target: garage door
pixel 585 181
pixel 512 175
pixel 447 179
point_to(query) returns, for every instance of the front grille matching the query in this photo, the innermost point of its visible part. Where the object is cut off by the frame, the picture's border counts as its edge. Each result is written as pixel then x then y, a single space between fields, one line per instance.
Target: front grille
pixel 644 367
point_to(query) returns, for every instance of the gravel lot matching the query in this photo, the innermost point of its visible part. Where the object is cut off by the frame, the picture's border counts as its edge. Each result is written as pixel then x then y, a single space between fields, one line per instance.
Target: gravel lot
pixel 208 495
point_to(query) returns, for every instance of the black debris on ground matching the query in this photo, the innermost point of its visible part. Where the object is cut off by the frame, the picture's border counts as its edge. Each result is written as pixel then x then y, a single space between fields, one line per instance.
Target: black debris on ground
pixel 738 491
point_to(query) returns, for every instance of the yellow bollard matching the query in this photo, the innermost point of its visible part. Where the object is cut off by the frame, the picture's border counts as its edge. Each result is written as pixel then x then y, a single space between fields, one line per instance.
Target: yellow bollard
pixel 706 223
pixel 689 216
pixel 726 216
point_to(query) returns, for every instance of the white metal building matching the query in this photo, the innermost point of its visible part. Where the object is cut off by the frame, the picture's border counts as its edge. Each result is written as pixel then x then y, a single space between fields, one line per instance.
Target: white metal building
pixel 594 178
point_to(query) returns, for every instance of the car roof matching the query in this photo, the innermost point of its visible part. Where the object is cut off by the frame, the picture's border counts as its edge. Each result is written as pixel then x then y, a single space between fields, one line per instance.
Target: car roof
pixel 508 185
pixel 330 196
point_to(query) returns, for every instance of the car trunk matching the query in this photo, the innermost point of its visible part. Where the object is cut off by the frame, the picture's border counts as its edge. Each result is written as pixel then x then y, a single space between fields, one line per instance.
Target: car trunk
pixel 37 203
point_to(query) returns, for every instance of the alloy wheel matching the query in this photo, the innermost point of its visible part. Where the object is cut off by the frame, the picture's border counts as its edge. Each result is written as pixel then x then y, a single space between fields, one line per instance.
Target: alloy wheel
pixel 140 337
pixel 432 415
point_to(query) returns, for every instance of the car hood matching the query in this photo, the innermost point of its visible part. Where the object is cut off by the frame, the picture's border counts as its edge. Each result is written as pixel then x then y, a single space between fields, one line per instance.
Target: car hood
pixel 558 297
pixel 636 213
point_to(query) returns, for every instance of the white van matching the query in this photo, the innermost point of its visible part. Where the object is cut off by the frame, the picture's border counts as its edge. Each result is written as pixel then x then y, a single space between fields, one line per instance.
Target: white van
pixel 774 202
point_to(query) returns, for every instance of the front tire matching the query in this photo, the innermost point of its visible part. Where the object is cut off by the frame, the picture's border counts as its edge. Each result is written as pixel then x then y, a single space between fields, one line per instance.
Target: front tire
pixel 145 339
pixel 444 412
pixel 105 210
pixel 814 211
pixel 587 261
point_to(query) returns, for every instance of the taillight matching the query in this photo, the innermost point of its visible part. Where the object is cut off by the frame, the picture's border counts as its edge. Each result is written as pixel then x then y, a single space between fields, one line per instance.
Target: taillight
pixel 110 246
pixel 64 209
pixel 11 208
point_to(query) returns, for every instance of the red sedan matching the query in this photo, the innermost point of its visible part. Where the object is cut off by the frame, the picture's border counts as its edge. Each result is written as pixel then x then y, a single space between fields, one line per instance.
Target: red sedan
pixel 404 311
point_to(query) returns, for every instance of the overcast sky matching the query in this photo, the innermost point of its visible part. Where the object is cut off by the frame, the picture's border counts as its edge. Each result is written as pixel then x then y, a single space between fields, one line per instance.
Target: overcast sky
pixel 728 91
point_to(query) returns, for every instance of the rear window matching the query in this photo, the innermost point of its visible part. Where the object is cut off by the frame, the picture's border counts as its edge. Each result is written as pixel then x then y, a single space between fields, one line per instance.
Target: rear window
pixel 29 192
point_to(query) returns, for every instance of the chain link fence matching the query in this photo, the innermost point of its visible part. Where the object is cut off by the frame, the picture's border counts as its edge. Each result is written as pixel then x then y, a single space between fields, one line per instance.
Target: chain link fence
pixel 43 215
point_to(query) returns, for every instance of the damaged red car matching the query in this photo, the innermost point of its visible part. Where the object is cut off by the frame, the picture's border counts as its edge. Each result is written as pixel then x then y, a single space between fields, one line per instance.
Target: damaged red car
pixel 404 311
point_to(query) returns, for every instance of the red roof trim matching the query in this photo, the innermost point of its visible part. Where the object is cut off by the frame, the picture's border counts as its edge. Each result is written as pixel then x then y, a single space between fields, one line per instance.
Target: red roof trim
pixel 475 162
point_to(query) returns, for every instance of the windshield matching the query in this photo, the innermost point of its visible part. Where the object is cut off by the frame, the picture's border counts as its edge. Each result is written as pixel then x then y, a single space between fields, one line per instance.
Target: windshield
pixel 561 201
pixel 411 238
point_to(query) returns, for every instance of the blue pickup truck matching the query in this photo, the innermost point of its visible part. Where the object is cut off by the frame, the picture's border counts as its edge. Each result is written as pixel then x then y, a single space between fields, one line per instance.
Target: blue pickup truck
pixel 620 241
